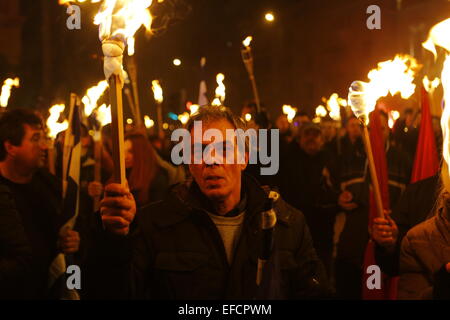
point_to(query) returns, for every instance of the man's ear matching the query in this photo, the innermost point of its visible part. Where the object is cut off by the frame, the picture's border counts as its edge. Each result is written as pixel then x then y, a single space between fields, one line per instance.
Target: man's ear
pixel 244 165
pixel 10 149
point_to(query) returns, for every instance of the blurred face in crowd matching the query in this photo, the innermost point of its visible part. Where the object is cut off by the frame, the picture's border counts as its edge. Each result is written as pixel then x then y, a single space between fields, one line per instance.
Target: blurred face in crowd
pixel 353 129
pixel 311 141
pixel 30 154
pixel 282 123
pixel 128 154
pixel 329 130
pixel 217 181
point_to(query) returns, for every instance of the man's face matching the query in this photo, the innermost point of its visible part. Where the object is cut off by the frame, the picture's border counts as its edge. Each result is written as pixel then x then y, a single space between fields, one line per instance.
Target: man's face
pixel 329 130
pixel 354 128
pixel 311 142
pixel 217 181
pixel 30 154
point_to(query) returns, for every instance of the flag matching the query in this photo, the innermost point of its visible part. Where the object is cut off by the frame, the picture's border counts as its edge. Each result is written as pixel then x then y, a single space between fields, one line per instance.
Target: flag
pixel 71 199
pixel 203 92
pixel 388 284
pixel 426 162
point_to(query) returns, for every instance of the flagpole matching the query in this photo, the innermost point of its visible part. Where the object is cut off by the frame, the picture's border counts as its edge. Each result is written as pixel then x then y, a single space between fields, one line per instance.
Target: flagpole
pixel 68 144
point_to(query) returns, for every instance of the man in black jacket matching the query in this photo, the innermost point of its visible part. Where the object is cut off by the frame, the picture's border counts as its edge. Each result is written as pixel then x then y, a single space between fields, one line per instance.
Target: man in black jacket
pixel 37 197
pixel 204 239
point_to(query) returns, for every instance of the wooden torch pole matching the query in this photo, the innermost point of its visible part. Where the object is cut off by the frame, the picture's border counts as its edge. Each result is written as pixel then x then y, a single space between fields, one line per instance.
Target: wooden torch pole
pixel 117 130
pixel 373 172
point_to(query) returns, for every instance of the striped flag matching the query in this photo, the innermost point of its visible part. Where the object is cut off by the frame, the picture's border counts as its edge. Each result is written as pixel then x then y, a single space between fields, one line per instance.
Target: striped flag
pixel 203 92
pixel 71 199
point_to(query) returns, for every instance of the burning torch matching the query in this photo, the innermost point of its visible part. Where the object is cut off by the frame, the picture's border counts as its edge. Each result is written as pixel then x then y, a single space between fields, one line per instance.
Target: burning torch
pixel 247 57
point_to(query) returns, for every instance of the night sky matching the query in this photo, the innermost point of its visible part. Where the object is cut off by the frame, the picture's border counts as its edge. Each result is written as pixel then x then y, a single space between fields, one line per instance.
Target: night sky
pixel 312 49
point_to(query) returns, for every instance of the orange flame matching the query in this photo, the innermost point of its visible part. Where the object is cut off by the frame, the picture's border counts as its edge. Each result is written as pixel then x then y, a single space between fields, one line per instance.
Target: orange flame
pixel 55 127
pixel 6 90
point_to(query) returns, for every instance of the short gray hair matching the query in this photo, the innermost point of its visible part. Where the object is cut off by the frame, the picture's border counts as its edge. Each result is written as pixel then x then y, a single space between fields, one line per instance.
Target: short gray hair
pixel 215 113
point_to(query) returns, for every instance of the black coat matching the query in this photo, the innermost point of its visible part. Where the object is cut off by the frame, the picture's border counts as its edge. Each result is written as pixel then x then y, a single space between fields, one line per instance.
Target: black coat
pixel 15 250
pixel 176 252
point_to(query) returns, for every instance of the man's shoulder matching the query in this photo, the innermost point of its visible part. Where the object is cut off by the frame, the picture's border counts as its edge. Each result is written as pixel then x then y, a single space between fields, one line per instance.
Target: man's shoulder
pixel 424 231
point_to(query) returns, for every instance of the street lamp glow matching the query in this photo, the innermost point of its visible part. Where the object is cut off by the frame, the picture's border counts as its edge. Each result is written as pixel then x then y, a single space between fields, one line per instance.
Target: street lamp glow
pixel 269 17
pixel 177 62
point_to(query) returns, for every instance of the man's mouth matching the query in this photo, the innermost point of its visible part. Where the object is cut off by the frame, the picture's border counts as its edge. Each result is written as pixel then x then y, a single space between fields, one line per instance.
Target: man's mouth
pixel 213 178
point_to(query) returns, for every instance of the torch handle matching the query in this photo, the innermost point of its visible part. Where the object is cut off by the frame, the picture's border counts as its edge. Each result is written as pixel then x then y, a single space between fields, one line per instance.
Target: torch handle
pixel 373 172
pixel 97 170
pixel 255 93
pixel 51 158
pixel 118 151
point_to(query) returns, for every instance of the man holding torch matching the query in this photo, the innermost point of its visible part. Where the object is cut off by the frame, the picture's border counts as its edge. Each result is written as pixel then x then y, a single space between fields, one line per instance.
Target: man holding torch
pixel 202 241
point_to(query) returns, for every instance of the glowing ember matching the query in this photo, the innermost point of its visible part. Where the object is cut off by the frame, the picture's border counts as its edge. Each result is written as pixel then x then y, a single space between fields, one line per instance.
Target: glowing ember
pixel 55 127
pixel 216 102
pixel 92 95
pixel 248 117
pixel 6 90
pixel 157 91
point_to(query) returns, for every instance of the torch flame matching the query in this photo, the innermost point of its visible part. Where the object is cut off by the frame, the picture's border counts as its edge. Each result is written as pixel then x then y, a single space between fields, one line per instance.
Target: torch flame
pixel 334 106
pixel 157 91
pixel 149 123
pixel 92 95
pixel 321 111
pixel 247 41
pixel 120 19
pixel 184 118
pixel 216 102
pixel 55 127
pixel 220 90
pixel 194 108
pixel 438 36
pixel 104 115
pixel 6 90
pixel 392 76
pixel 290 112
pixel 430 86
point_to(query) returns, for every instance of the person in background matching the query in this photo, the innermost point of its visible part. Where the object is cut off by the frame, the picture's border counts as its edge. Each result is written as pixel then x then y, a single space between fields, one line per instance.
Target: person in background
pixel 147 180
pixel 37 196
pixel 354 200
pixel 306 185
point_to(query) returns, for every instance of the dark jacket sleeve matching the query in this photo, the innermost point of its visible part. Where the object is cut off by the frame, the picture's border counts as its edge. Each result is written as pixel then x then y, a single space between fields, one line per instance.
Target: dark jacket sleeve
pixel 117 265
pixel 441 289
pixel 308 279
pixel 15 251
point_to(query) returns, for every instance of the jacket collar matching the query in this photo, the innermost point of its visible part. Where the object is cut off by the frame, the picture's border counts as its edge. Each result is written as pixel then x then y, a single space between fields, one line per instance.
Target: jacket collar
pixel 186 199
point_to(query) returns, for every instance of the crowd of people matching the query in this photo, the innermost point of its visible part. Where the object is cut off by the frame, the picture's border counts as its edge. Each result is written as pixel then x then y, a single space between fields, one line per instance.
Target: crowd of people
pixel 194 231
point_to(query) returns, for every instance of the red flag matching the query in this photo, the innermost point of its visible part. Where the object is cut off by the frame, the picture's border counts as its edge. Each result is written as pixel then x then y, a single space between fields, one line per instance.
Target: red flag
pixel 388 285
pixel 426 163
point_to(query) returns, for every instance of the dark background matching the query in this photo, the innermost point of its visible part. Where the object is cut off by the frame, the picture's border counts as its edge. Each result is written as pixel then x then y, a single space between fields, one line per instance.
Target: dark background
pixel 312 49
